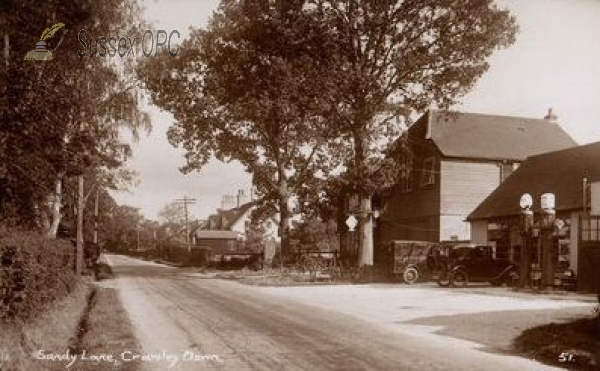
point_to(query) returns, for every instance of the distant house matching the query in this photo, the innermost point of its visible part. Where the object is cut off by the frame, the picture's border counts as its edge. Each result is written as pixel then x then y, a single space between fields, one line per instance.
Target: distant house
pixel 450 162
pixel 217 241
pixel 496 221
pixel 227 228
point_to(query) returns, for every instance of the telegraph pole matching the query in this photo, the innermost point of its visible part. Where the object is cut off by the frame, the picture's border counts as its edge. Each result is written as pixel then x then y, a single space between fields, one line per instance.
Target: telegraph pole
pixel 186 201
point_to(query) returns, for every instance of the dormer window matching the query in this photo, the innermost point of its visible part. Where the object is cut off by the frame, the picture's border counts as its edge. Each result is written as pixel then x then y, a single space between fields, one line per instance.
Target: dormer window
pixel 428 175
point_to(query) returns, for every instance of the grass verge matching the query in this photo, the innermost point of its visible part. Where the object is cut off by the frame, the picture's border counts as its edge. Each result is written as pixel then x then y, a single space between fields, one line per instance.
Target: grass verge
pixel 105 333
pixel 574 345
pixel 87 330
pixel 50 332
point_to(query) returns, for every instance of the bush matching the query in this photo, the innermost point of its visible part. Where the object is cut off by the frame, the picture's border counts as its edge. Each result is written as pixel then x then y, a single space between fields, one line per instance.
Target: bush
pixel 34 272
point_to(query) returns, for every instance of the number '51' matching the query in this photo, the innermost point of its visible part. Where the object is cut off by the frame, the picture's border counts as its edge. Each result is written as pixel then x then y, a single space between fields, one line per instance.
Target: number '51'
pixel 566 357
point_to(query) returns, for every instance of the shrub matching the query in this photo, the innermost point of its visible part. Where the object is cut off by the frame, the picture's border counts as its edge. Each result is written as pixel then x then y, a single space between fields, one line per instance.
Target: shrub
pixel 34 272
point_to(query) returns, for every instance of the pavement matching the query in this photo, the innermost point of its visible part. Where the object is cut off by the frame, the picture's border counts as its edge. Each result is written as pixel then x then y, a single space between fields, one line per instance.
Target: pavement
pixel 190 323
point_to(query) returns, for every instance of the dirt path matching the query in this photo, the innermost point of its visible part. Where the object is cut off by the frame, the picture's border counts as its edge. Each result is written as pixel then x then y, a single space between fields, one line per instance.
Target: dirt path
pixel 245 328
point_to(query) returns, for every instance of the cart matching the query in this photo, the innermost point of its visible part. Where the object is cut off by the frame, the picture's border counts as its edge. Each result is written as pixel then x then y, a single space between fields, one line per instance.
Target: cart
pixel 411 261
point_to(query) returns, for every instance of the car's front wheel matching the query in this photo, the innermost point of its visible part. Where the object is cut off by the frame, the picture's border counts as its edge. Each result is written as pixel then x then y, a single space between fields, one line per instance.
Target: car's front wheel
pixel 443 279
pixel 459 278
pixel 410 275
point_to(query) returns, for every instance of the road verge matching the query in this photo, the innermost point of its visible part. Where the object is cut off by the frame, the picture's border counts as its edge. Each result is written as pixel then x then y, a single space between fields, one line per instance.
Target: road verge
pixel 575 344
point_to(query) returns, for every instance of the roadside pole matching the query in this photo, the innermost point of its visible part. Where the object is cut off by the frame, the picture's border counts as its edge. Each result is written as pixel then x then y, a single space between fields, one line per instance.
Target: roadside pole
pixel 79 243
pixel 186 201
pixel 96 199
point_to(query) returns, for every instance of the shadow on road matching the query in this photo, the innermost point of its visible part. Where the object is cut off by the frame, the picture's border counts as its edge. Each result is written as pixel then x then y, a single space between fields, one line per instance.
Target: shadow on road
pixel 496 331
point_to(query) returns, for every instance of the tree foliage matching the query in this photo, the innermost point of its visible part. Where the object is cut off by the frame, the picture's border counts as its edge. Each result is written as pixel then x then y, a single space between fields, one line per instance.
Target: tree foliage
pixel 291 88
pixel 173 214
pixel 396 59
pixel 122 227
pixel 245 89
pixel 61 117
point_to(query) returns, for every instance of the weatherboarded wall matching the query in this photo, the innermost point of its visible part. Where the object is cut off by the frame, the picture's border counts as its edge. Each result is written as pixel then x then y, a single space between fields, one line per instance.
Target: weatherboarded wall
pixel 464 185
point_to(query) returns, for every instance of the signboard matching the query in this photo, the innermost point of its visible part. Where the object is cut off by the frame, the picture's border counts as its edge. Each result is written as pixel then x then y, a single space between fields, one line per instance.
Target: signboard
pixel 526 201
pixel 351 222
pixel 548 201
pixel 595 198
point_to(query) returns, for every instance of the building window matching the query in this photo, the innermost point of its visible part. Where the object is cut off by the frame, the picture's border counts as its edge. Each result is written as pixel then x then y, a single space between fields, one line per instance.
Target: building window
pixel 428 175
pixel 406 164
pixel 590 229
pixel 406 180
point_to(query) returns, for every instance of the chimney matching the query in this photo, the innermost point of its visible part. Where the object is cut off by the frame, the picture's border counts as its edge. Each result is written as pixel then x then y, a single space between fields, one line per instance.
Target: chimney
pixel 227 202
pixel 551 116
pixel 242 198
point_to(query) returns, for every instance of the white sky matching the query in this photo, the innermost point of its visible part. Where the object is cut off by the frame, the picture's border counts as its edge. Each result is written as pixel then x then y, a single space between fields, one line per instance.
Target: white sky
pixel 555 62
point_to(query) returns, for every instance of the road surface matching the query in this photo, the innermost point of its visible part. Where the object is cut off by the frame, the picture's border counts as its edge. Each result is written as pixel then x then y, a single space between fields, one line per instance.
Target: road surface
pixel 193 323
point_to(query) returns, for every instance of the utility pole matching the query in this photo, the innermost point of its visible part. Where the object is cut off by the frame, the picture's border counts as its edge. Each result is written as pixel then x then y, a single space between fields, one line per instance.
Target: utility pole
pixel 79 255
pixel 80 247
pixel 186 201
pixel 96 199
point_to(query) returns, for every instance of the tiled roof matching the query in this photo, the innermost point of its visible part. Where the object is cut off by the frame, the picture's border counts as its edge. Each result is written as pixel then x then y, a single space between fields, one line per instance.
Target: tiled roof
pixel 235 214
pixel 560 172
pixel 481 136
pixel 225 219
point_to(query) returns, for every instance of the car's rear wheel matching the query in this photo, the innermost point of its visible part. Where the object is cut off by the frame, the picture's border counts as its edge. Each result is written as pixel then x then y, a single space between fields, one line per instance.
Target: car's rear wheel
pixel 410 275
pixel 459 278
pixel 512 278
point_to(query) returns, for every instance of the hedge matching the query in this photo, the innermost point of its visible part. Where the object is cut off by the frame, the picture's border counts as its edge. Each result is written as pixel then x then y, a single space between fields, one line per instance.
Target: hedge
pixel 34 272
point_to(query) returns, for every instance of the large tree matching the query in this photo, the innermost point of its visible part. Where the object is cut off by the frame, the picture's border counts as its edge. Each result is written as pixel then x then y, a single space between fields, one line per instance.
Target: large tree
pixel 56 113
pixel 245 89
pixel 394 60
pixel 173 213
pixel 61 117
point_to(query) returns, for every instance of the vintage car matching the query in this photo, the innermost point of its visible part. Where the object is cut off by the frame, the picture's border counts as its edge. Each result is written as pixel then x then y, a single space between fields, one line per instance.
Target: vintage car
pixel 411 261
pixel 471 263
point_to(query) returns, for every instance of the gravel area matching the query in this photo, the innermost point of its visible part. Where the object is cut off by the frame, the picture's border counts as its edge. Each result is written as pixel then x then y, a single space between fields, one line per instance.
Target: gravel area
pixel 483 317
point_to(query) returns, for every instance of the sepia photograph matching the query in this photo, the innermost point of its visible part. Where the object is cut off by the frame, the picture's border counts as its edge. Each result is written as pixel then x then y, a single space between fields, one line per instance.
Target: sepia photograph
pixel 299 185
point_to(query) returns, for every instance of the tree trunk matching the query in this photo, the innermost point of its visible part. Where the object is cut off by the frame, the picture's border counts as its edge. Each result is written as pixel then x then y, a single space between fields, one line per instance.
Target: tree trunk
pixel 55 208
pixel 79 255
pixel 342 211
pixel 284 226
pixel 365 257
pixel 284 215
pixel 366 232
